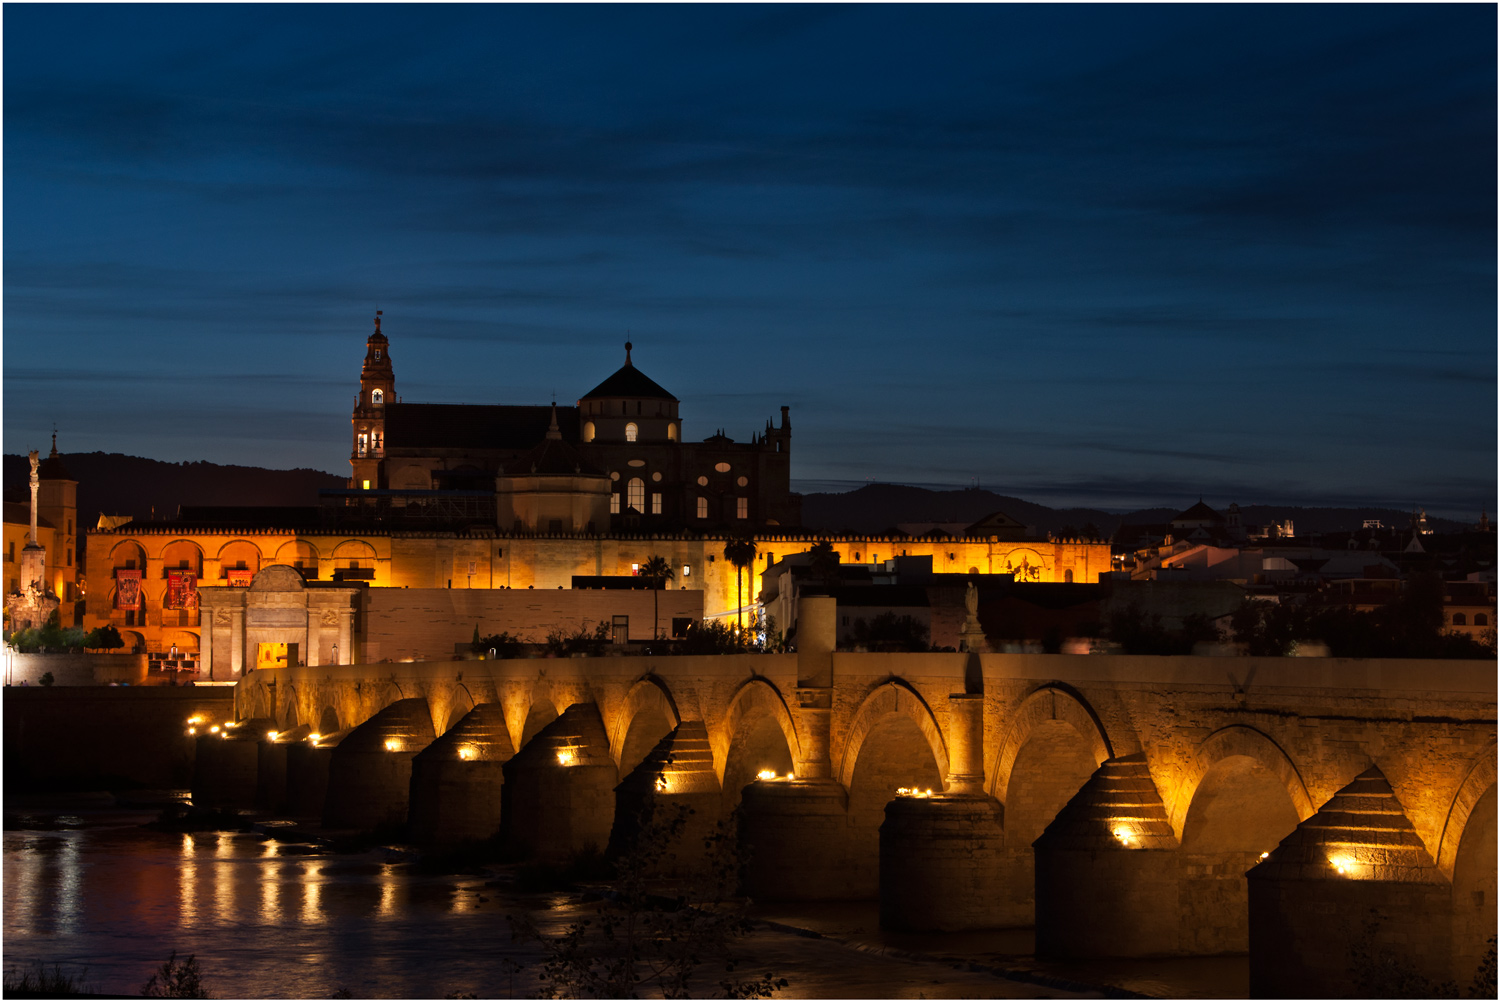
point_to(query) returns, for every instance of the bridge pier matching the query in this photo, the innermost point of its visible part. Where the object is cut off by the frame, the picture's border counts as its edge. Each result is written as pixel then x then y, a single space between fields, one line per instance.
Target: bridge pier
pixel 676 781
pixel 369 774
pixel 940 856
pixel 559 795
pixel 307 768
pixel 457 781
pixel 270 784
pixel 1107 870
pixel 226 769
pixel 1352 892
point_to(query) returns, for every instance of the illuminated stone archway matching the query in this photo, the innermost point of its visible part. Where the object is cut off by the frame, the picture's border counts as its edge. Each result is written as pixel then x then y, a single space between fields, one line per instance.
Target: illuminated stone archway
pixel 648 714
pixel 758 733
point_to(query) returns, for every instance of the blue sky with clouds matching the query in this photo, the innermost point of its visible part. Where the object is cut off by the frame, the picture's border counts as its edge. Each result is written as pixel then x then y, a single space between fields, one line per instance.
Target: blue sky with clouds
pixel 1108 255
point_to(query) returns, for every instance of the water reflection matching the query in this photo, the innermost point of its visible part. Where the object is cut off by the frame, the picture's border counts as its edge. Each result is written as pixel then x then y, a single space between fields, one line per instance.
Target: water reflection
pixel 187 897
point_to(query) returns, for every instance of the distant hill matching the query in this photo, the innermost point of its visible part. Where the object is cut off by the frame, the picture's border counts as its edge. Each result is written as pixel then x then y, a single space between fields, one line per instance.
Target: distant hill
pixel 144 488
pixel 129 485
pixel 876 507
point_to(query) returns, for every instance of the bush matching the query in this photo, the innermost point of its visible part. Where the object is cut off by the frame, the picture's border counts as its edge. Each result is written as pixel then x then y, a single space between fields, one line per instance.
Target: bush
pixel 104 638
pixel 505 645
pixel 46 679
pixel 42 981
pixel 177 980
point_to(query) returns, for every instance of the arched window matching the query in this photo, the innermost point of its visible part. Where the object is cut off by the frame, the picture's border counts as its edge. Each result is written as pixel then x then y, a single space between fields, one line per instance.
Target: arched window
pixel 741 507
pixel 1068 576
pixel 377 397
pixel 631 431
pixel 671 431
pixel 588 431
pixel 1459 619
pixel 1481 619
pixel 703 507
pixel 636 494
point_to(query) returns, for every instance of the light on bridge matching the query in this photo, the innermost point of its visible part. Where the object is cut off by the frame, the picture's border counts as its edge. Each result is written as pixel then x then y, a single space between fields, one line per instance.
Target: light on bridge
pixel 468 753
pixel 567 756
pixel 1124 835
pixel 314 739
pixel 1265 855
pixel 214 729
pixel 1343 864
pixel 195 719
pixel 271 735
pixel 393 744
pixel 765 774
pixel 912 791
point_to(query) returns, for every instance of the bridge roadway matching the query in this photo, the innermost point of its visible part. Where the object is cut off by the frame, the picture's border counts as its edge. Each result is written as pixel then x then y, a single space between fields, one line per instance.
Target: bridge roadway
pixel 1115 802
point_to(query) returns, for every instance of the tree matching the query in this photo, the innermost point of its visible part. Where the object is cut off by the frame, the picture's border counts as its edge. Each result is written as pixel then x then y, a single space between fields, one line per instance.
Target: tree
pixel 658 572
pixel 740 551
pixel 105 638
pixel 825 562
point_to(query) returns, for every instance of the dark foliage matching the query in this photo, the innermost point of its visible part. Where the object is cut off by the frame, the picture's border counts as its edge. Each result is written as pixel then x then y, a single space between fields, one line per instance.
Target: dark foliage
pixel 1140 633
pixel 889 632
pixel 177 980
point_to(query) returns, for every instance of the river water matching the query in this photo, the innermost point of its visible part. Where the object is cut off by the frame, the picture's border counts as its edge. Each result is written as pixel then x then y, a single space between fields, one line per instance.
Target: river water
pixel 88 888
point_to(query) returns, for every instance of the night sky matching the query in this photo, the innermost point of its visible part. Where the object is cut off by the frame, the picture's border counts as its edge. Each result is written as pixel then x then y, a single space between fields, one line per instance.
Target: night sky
pixel 1115 256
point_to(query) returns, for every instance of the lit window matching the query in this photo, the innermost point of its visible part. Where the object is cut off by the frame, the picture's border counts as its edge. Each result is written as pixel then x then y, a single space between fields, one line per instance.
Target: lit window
pixel 377 354
pixel 614 504
pixel 743 481
pixel 687 570
pixel 722 467
pixel 364 443
pixel 671 431
pixel 364 485
pixel 375 438
pixel 656 504
pixel 741 507
pixel 703 507
pixel 631 431
pixel 377 397
pixel 636 494
pixel 588 431
pixel 702 481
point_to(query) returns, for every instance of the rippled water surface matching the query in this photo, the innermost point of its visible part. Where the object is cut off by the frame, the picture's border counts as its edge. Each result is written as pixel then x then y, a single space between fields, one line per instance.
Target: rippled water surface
pixel 91 889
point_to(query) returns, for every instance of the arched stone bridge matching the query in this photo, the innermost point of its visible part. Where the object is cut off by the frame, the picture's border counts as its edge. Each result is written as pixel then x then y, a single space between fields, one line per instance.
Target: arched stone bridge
pixel 1223 759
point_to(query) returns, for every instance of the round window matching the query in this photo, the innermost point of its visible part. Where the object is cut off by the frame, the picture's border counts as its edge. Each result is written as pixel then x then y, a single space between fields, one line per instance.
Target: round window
pixel 702 481
pixel 656 477
pixel 743 481
pixel 722 467
pixel 614 476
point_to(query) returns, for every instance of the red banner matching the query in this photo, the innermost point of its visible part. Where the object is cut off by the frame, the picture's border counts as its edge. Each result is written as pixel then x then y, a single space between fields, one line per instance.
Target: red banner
pixel 182 590
pixel 238 578
pixel 127 589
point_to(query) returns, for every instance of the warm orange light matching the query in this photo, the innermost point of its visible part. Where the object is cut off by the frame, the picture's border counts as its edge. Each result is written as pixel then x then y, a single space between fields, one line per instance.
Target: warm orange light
pixel 197 718
pixel 192 730
pixel 1125 836
pixel 1265 855
pixel 765 774
pixel 392 744
pixel 271 735
pixel 468 752
pixel 566 756
pixel 214 729
pixel 912 791
pixel 1343 864
pixel 314 738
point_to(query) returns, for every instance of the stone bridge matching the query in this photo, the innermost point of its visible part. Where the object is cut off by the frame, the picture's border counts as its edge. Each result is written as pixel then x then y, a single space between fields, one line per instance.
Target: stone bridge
pixel 1114 802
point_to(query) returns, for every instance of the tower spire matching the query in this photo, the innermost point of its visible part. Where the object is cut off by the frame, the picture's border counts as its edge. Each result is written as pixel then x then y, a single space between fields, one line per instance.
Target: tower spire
pixel 628 363
pixel 553 431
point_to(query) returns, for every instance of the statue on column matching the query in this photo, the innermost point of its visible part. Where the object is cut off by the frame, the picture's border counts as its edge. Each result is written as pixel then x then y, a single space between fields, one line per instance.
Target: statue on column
pixel 33 602
pixel 971 637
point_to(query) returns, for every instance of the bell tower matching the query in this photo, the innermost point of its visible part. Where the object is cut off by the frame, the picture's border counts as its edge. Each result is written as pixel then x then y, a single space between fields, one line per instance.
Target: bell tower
pixel 377 388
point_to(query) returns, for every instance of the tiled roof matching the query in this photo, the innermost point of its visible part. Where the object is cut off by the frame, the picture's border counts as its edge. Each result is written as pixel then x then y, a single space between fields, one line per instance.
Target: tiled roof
pixel 473 426
pixel 628 381
pixel 20 514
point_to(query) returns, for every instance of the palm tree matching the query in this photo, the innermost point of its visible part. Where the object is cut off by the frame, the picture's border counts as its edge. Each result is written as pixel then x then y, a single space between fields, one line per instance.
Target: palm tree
pixel 658 572
pixel 825 562
pixel 740 551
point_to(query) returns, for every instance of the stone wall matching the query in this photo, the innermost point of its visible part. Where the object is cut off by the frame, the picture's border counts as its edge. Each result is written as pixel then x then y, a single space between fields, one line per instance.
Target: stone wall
pixel 78 669
pixel 426 622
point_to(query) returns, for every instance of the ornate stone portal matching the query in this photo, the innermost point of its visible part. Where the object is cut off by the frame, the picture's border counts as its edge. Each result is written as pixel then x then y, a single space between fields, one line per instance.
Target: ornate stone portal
pixel 279 620
pixel 34 602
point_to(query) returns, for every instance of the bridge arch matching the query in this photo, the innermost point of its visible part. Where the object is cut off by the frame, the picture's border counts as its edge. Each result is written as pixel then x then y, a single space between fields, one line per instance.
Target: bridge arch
pixel 1238 741
pixel 894 697
pixel 647 715
pixel 290 712
pixel 1476 783
pixel 758 733
pixel 328 720
pixel 1052 701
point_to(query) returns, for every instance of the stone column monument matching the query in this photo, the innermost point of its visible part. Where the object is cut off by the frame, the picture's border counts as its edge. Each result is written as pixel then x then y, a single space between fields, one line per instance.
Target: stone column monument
pixel 33 603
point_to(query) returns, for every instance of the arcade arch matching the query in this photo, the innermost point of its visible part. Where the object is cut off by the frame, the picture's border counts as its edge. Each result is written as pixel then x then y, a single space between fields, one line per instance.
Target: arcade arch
pixel 759 734
pixel 239 555
pixel 182 554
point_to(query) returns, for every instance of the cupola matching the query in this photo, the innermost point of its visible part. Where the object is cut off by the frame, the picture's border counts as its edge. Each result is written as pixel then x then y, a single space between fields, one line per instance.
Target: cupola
pixel 629 406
